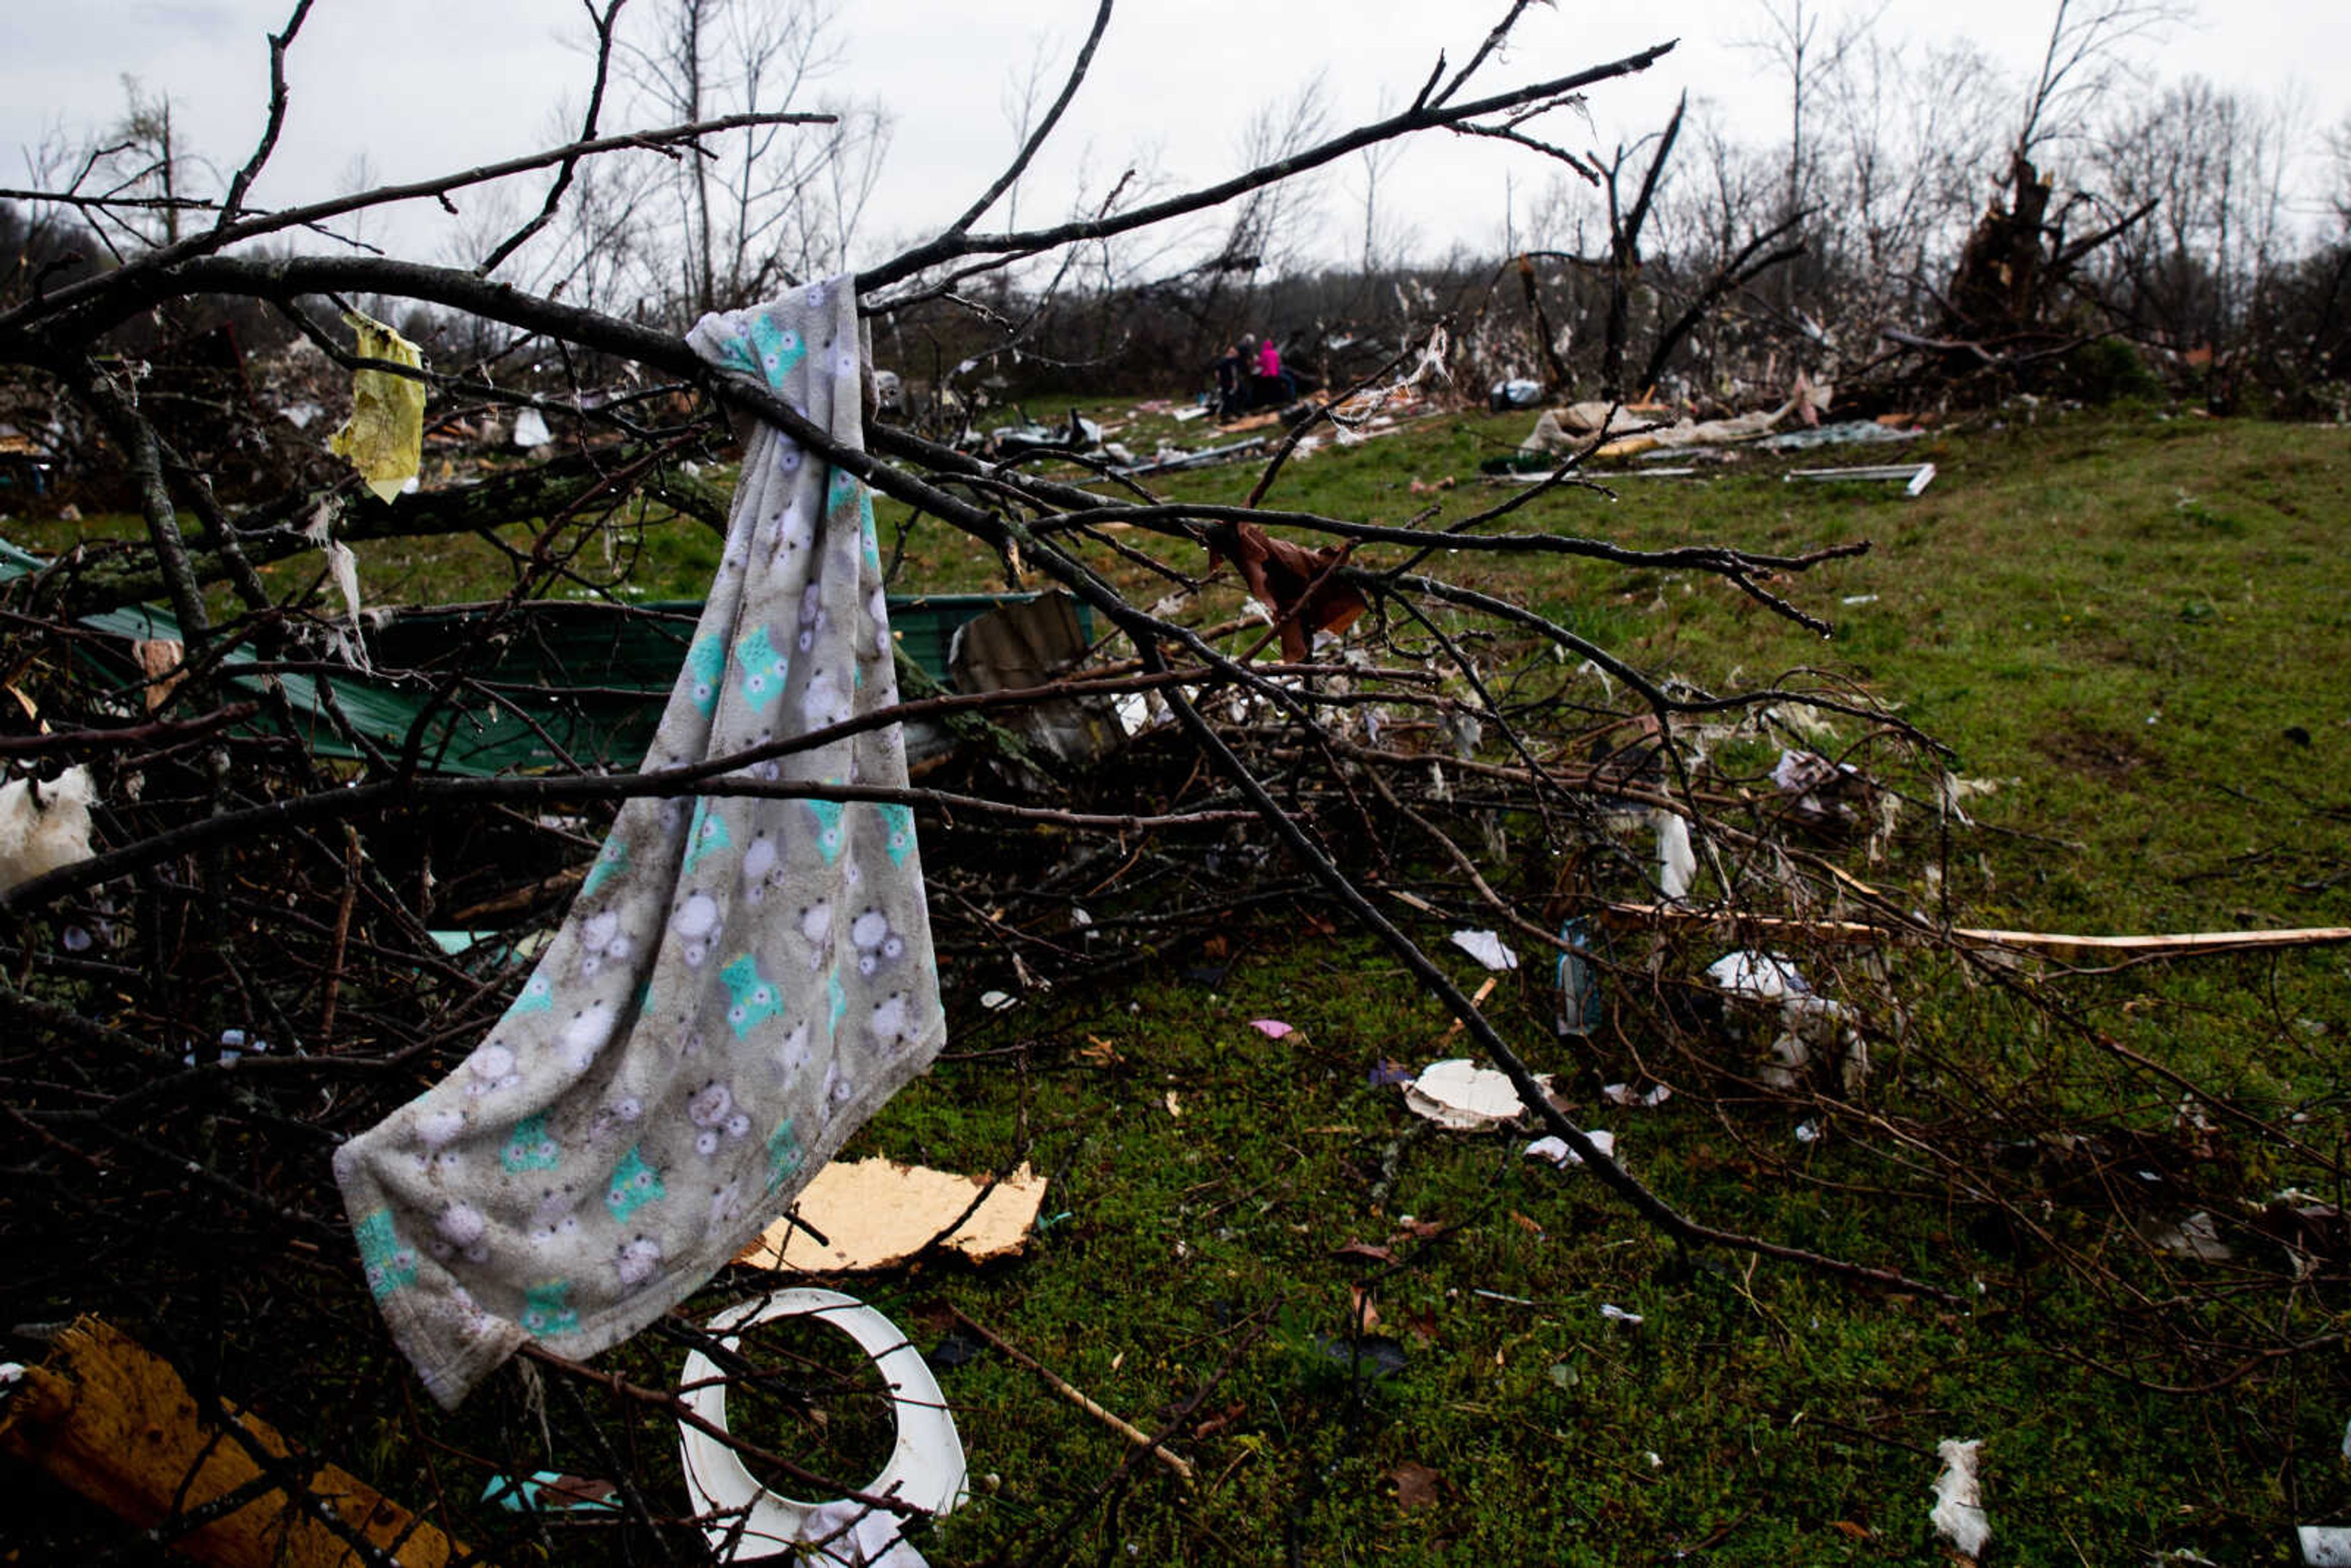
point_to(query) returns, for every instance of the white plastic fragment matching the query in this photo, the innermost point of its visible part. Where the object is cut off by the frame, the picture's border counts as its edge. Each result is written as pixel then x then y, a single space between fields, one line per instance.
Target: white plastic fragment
pixel 1768 976
pixel 530 428
pixel 1556 1151
pixel 1676 864
pixel 1458 1094
pixel 1622 1095
pixel 995 1001
pixel 1808 1131
pixel 1958 1515
pixel 44 827
pixel 2324 1545
pixel 1616 1314
pixel 1487 948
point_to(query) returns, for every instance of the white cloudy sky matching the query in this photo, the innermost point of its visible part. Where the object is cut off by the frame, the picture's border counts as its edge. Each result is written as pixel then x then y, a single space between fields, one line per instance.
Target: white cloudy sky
pixel 422 86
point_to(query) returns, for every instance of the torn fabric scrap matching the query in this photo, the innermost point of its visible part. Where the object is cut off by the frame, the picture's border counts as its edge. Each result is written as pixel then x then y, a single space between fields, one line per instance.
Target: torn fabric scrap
pixel 742 981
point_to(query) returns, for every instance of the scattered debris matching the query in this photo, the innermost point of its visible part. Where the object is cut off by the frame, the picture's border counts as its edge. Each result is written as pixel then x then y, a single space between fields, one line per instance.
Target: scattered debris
pixel 861 1215
pixel 44 827
pixel 113 1421
pixel 1622 1094
pixel 1958 1515
pixel 1812 1027
pixel 1845 432
pixel 1677 862
pixel 1767 976
pixel 1504 396
pixel 384 437
pixel 744 1519
pixel 551 1491
pixel 2324 1545
pixel 1611 1312
pixel 1272 1028
pixel 2196 1238
pixel 1914 478
pixel 1556 1151
pixel 1029 643
pixel 1458 1094
pixel 1487 948
pixel 1577 982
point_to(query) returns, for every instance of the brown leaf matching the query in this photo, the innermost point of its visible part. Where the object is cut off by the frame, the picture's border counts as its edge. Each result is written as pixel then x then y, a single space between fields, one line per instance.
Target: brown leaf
pixel 1414 1225
pixel 1296 583
pixel 1531 1227
pixel 1415 1485
pixel 1362 1311
pixel 1365 1250
pixel 1858 1532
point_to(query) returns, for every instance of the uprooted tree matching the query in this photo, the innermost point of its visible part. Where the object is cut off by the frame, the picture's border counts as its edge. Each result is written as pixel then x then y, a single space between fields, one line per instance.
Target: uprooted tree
pixel 269 864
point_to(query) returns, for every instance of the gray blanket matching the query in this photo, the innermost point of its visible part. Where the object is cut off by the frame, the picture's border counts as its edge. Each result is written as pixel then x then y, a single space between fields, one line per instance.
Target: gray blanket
pixel 743 979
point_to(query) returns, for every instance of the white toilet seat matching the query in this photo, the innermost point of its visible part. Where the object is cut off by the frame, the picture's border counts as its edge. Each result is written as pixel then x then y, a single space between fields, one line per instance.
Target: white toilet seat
pixel 926 1463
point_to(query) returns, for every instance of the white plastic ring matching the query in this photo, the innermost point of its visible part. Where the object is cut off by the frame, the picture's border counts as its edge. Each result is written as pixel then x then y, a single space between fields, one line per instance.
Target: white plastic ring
pixel 927 1463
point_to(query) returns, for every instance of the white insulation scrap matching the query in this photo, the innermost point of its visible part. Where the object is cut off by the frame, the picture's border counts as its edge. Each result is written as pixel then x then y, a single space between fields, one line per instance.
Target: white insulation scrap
pixel 1676 863
pixel 44 827
pixel 1958 1515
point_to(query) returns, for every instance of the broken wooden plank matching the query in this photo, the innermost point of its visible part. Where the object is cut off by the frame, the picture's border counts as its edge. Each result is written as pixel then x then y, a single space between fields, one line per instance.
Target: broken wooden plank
pixel 114 1422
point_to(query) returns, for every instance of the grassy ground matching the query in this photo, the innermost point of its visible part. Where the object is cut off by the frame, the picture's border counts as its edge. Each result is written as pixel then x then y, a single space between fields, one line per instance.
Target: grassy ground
pixel 1384 1343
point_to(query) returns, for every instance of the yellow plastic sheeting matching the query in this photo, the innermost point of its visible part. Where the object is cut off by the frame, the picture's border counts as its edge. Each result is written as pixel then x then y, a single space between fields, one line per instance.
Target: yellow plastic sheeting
pixel 384 437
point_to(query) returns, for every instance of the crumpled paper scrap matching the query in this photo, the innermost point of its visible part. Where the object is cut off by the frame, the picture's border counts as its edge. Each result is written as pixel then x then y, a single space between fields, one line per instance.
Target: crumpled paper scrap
pixel 384 437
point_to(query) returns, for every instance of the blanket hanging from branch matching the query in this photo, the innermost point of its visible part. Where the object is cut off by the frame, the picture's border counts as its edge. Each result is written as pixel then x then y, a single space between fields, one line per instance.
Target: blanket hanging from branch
pixel 743 980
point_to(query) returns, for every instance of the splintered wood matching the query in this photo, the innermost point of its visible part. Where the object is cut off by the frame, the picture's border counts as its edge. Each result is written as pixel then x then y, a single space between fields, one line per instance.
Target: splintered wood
pixel 115 1423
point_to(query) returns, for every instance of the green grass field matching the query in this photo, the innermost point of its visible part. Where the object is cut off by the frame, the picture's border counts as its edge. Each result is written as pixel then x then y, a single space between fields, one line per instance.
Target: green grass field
pixel 1377 1342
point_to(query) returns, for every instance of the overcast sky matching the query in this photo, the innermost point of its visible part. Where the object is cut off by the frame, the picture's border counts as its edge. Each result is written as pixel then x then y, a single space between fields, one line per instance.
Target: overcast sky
pixel 420 87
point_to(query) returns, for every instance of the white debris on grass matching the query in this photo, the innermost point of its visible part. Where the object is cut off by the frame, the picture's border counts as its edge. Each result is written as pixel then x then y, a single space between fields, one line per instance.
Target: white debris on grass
pixel 1556 1151
pixel 44 827
pixel 1458 1094
pixel 1958 1515
pixel 1487 948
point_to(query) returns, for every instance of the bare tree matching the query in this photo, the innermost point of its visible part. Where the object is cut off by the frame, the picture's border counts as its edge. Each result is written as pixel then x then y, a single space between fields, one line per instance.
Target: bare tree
pixel 759 205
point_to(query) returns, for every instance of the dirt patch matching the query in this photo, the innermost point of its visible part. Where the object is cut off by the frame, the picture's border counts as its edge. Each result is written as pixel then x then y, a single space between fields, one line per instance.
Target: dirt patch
pixel 2107 755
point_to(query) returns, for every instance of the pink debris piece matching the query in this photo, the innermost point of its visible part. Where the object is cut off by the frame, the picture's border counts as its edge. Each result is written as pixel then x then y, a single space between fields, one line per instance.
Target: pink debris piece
pixel 1272 1028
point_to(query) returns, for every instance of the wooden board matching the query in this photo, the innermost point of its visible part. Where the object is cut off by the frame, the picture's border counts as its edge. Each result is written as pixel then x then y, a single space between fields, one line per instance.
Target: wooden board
pixel 114 1422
